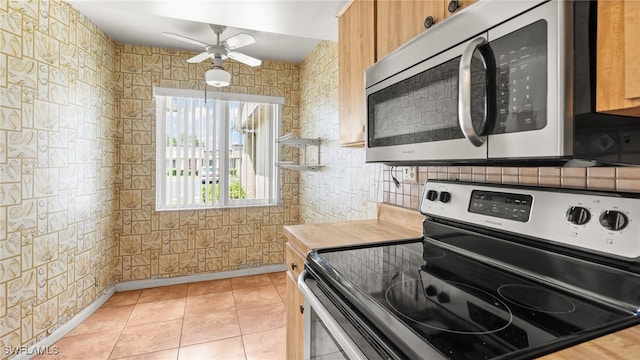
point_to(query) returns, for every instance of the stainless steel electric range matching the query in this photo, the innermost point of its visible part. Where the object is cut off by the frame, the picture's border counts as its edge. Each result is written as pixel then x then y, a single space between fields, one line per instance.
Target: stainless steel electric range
pixel 501 272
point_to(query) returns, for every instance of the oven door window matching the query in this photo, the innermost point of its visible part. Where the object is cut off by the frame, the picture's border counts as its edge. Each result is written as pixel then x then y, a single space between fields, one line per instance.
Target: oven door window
pixel 322 344
pixel 424 107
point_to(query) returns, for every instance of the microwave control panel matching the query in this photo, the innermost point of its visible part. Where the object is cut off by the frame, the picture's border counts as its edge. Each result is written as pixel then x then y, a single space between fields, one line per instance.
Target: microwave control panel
pixel 521 73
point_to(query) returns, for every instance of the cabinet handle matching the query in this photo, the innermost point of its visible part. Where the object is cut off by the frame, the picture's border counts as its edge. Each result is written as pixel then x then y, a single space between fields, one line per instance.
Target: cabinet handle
pixel 453 6
pixel 428 22
pixel 301 309
pixel 294 266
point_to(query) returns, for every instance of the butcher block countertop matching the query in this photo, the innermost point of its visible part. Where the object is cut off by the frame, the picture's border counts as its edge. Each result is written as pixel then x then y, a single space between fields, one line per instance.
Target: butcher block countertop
pixel 393 223
pixel 396 223
pixel 621 345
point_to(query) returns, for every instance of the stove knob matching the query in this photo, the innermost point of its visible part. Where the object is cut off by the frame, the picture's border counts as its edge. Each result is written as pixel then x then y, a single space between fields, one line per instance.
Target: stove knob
pixel 432 195
pixel 430 290
pixel 578 215
pixel 613 220
pixel 443 298
pixel 445 196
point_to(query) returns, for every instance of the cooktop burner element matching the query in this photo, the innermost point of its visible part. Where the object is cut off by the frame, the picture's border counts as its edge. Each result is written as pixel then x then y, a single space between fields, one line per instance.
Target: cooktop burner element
pixel 439 311
pixel 537 299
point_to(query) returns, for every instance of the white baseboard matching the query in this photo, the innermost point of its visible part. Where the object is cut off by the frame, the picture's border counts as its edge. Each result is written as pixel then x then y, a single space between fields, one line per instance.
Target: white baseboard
pixel 31 351
pixel 28 352
pixel 150 283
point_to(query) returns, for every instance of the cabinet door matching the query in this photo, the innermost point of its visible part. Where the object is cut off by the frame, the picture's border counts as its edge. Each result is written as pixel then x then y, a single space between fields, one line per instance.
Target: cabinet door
pixel 398 21
pixel 295 260
pixel 456 6
pixel 295 319
pixel 356 53
pixel 295 303
pixel 618 49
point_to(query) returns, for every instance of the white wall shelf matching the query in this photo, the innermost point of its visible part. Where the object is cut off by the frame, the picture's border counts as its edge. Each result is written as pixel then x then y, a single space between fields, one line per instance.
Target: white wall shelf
pixel 302 143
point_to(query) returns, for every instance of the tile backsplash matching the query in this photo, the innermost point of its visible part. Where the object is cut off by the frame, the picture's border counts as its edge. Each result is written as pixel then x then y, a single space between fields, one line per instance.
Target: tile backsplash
pixel 597 178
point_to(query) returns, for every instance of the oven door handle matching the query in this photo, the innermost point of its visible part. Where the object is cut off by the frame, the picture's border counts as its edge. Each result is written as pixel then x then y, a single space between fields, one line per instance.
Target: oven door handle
pixel 350 349
pixel 464 94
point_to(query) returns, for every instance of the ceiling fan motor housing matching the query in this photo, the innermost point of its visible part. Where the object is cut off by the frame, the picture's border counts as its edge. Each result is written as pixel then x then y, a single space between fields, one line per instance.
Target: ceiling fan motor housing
pixel 218 63
pixel 215 50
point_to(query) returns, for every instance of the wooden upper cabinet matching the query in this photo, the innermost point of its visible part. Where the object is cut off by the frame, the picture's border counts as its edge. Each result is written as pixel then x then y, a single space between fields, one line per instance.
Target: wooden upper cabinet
pixel 456 6
pixel 367 31
pixel 398 21
pixel 618 51
pixel 356 44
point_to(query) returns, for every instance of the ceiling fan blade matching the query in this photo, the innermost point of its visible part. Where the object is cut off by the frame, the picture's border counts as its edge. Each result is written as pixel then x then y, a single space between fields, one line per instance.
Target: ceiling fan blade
pixel 251 61
pixel 185 39
pixel 238 41
pixel 199 58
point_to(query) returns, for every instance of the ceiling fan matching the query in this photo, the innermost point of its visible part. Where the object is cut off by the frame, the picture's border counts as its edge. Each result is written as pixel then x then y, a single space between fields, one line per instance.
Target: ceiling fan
pixel 219 52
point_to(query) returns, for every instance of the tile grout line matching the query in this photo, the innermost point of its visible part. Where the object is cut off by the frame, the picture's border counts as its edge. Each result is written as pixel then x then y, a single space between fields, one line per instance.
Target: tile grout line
pixel 143 324
pixel 184 316
pixel 235 307
pixel 122 330
pixel 130 315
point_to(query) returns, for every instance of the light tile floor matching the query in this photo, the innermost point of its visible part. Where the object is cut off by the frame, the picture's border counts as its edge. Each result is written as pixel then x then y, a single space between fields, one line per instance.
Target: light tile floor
pixel 238 318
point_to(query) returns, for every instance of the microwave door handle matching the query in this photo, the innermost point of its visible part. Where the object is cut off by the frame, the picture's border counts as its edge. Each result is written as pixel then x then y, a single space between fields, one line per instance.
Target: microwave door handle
pixel 464 94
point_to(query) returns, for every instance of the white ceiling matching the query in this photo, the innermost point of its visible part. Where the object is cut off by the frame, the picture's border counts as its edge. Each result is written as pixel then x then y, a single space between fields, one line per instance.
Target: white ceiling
pixel 285 30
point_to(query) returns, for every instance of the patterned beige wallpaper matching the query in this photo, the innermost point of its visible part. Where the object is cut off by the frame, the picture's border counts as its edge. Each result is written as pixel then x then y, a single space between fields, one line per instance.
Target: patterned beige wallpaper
pixel 152 244
pixel 57 159
pixel 345 188
pixel 77 170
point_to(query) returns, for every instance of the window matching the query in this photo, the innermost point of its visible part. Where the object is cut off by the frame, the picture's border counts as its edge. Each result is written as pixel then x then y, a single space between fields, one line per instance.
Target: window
pixel 216 152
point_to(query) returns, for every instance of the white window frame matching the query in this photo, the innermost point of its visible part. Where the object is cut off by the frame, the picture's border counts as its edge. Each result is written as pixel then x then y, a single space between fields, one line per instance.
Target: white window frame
pixel 221 127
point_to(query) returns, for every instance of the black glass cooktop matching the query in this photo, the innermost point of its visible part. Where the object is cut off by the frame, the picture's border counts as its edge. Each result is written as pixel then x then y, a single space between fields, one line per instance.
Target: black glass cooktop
pixel 463 307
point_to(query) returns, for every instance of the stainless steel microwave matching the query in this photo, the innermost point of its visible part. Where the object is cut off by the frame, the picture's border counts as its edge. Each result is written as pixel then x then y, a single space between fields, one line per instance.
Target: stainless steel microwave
pixel 501 83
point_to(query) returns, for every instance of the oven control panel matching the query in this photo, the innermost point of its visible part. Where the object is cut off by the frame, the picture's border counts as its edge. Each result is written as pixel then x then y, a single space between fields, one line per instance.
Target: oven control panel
pixel 515 207
pixel 596 221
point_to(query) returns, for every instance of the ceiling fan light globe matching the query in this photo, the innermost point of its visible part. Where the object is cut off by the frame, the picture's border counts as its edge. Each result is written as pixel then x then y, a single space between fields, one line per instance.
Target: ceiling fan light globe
pixel 217 77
